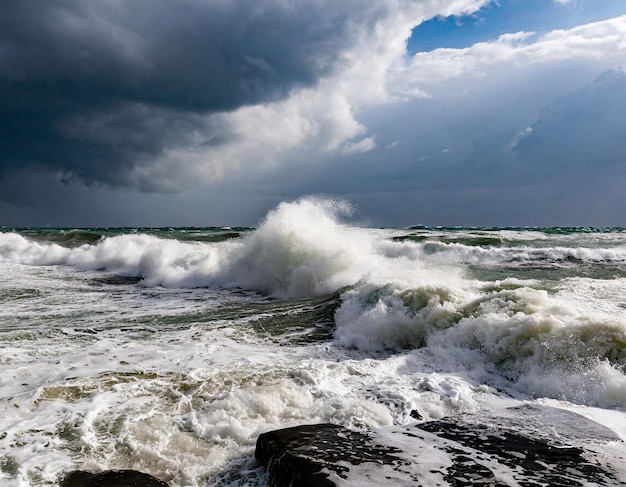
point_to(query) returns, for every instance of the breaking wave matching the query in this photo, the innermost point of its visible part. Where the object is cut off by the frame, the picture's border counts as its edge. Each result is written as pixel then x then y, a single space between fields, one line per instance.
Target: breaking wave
pixel 301 249
pixel 546 344
pixel 398 294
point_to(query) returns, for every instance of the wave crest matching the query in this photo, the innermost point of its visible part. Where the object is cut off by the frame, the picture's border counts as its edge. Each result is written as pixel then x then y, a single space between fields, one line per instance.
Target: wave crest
pixel 301 249
pixel 547 345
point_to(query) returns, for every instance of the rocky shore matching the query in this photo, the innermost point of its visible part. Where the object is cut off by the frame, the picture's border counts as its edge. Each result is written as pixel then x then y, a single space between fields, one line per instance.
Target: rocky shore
pixel 529 445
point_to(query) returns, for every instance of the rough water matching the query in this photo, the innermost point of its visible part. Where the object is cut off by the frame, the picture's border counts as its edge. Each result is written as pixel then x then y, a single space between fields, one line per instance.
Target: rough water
pixel 170 350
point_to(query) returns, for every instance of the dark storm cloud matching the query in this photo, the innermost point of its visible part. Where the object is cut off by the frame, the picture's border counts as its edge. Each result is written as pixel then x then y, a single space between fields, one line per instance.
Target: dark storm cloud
pixel 96 88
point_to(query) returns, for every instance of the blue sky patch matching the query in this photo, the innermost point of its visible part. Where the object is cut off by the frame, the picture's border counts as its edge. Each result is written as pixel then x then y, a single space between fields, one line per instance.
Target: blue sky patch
pixel 508 16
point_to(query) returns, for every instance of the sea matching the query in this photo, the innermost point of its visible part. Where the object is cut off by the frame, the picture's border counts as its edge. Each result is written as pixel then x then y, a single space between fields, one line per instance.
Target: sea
pixel 169 350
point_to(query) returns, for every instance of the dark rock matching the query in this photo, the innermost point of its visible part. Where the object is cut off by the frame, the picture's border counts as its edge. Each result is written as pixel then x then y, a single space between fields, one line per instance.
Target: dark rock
pixel 415 414
pixel 531 445
pixel 307 455
pixel 534 462
pixel 110 478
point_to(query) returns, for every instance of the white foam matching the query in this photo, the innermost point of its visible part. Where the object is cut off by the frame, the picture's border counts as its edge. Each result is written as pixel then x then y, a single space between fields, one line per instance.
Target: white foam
pixel 301 249
pixel 153 377
pixel 547 346
pixel 298 250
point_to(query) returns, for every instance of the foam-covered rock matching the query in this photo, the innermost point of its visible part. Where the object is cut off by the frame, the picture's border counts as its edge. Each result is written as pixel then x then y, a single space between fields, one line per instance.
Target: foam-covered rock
pixel 518 446
pixel 308 455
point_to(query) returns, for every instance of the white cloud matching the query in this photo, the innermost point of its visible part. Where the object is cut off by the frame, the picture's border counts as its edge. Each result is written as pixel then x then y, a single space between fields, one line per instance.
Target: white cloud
pixel 321 118
pixel 604 41
pixel 324 118
pixel 360 147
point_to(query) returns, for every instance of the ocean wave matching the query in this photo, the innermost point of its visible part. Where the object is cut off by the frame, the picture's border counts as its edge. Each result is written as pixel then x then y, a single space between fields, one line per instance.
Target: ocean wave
pixel 548 345
pixel 401 295
pixel 491 255
pixel 301 249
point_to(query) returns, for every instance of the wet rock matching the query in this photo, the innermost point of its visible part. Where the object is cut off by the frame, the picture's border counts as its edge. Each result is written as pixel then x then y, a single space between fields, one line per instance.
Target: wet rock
pixel 533 445
pixel 310 455
pixel 110 478
pixel 527 460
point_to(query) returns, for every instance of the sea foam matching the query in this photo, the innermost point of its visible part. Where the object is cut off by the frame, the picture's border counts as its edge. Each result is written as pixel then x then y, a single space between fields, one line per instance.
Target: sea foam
pixel 301 249
pixel 179 374
pixel 546 345
pixel 395 295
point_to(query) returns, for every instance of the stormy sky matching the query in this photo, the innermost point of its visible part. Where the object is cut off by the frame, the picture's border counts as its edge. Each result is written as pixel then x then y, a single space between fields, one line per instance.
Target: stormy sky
pixel 206 112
